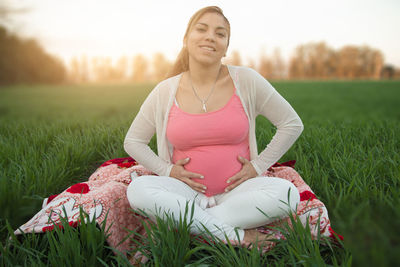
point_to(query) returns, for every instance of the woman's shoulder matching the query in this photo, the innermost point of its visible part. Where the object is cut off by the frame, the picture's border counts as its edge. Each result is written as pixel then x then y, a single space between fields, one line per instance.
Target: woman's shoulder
pixel 249 80
pixel 243 72
pixel 245 75
pixel 168 85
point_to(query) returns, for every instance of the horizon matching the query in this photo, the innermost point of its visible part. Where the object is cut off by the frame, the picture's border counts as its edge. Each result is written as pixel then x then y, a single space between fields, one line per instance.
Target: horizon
pixel 92 30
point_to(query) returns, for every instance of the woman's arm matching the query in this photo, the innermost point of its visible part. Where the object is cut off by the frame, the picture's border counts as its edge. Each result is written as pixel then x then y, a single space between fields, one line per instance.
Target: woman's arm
pixel 139 135
pixel 280 113
pixel 136 145
pixel 269 103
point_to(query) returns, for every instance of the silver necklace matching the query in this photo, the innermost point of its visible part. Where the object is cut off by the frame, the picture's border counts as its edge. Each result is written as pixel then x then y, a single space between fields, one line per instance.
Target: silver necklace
pixel 204 101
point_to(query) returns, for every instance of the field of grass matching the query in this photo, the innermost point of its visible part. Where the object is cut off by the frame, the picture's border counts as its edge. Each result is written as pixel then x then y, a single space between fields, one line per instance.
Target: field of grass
pixel 54 136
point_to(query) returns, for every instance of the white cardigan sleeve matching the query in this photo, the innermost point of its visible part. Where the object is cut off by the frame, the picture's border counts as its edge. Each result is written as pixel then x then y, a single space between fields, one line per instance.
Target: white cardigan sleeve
pixel 280 113
pixel 139 135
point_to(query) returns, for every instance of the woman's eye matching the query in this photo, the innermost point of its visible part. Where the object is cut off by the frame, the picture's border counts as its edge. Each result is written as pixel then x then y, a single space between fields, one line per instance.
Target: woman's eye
pixel 201 29
pixel 221 34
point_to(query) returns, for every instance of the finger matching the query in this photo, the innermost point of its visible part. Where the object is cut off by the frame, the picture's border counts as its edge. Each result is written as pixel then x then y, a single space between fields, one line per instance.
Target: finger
pixel 237 176
pixel 242 159
pixel 196 186
pixel 232 186
pixel 192 174
pixel 182 161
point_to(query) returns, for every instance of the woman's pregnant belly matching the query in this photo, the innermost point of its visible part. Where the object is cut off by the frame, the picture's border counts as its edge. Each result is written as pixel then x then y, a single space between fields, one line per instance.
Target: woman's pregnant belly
pixel 212 141
pixel 216 163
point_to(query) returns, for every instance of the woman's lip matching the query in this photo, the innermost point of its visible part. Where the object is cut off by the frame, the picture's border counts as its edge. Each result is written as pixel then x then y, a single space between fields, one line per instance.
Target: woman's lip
pixel 207 48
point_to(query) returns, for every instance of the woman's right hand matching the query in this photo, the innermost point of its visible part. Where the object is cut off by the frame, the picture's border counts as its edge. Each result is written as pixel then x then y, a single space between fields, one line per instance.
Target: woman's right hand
pixel 179 172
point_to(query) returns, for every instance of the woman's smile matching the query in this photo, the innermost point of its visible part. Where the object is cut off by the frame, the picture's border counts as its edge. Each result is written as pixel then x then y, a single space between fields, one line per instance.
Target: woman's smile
pixel 207 48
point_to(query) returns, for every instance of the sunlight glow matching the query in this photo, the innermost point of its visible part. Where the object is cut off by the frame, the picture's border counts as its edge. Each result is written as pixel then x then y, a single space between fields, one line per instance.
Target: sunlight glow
pixel 123 27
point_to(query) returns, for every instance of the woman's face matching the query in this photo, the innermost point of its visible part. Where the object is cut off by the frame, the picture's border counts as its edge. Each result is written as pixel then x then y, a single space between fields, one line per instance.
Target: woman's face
pixel 207 42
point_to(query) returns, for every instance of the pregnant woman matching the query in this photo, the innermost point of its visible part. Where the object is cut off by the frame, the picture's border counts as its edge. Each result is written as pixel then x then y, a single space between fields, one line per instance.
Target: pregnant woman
pixel 204 118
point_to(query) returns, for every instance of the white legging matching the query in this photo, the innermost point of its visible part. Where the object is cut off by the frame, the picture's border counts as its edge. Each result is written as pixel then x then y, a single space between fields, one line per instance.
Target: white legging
pixel 220 214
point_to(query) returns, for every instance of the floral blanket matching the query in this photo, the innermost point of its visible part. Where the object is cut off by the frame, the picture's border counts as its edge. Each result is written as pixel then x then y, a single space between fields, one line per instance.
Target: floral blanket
pixel 104 196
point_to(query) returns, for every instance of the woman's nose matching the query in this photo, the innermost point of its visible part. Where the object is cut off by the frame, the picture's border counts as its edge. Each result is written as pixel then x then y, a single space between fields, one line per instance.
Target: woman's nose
pixel 210 36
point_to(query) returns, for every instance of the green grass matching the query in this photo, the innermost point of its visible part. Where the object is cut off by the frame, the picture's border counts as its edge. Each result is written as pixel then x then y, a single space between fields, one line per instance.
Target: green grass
pixel 54 136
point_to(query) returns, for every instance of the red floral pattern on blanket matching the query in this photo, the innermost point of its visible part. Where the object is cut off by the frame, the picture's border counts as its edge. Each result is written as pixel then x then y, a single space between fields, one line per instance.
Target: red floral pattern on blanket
pixel 307 195
pixel 121 162
pixel 80 188
pixel 104 195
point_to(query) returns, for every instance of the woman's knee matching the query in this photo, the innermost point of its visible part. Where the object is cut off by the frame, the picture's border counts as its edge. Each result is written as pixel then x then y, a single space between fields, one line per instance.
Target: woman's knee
pixel 139 183
pixel 280 189
pixel 289 194
pixel 137 191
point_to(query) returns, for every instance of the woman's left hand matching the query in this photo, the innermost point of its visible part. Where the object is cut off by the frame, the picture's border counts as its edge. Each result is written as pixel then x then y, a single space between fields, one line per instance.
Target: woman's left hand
pixel 244 174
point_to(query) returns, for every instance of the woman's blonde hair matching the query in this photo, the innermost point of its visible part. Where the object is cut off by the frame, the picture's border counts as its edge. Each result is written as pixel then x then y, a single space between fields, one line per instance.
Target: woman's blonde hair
pixel 182 61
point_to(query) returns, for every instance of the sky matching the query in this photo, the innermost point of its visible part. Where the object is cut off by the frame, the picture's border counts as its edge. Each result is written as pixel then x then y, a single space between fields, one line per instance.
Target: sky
pixel 117 28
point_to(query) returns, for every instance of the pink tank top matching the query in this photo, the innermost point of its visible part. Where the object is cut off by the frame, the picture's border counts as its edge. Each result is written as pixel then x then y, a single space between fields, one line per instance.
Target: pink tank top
pixel 212 141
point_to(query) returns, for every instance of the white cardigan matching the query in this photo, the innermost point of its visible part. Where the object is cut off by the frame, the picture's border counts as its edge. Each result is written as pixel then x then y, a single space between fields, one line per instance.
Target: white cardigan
pixel 257 96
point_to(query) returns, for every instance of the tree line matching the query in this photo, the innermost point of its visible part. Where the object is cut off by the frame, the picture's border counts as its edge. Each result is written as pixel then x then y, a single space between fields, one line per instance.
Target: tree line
pixel 25 61
pixel 104 69
pixel 309 61
pixel 319 61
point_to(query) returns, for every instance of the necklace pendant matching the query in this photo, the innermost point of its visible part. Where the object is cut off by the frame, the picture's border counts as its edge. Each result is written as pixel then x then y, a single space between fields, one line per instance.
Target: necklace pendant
pixel 204 107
